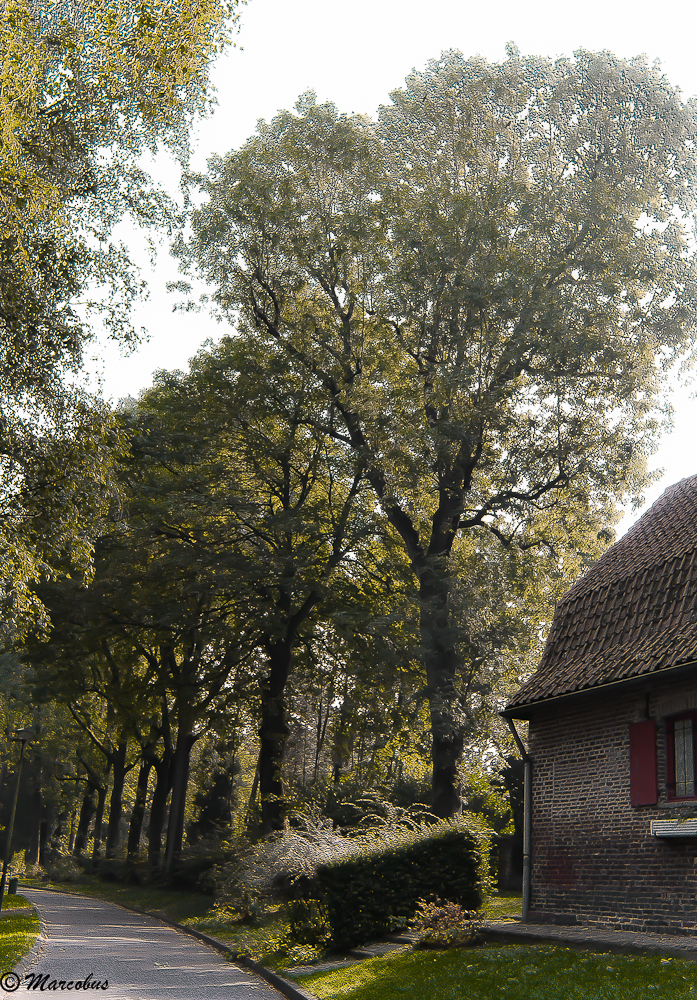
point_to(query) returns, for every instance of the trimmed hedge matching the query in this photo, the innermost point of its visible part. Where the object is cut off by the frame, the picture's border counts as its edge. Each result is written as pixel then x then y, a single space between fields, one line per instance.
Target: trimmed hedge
pixel 377 891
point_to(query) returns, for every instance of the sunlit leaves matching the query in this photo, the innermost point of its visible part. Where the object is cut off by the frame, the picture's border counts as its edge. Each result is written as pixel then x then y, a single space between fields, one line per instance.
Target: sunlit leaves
pixel 85 88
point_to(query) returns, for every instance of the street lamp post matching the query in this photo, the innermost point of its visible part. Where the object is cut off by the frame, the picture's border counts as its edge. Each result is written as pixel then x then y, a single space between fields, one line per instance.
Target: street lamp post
pixel 21 736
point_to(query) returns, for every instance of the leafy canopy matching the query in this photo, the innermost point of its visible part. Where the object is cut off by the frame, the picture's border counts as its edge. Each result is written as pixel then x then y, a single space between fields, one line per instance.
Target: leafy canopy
pixel 489 283
pixel 85 88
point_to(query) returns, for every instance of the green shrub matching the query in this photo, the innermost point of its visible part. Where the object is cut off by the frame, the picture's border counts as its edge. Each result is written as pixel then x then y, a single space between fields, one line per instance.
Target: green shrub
pixel 308 922
pixel 247 907
pixel 445 925
pixel 378 889
pixel 274 864
pixel 196 868
pixel 64 869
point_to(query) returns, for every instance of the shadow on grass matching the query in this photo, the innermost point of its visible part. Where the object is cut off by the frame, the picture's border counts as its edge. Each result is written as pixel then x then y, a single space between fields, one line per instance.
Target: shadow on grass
pixel 175 904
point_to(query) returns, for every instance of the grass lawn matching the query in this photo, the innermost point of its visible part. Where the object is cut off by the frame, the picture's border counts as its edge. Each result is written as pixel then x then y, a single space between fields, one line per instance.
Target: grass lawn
pixel 14 902
pixel 512 972
pixel 174 904
pixel 260 941
pixel 265 941
pixel 17 933
pixel 504 904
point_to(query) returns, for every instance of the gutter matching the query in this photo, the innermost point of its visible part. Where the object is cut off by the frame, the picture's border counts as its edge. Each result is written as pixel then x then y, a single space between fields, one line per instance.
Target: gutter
pixel 527 817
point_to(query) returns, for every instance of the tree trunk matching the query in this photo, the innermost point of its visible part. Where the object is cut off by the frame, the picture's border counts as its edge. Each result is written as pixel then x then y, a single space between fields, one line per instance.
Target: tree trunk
pixel 158 808
pixel 441 662
pixel 31 855
pixel 44 831
pixel 87 811
pixel 98 822
pixel 180 784
pixel 118 766
pixel 273 735
pixel 138 809
pixel 250 818
pixel 322 722
pixel 73 831
pixel 57 834
pixel 342 742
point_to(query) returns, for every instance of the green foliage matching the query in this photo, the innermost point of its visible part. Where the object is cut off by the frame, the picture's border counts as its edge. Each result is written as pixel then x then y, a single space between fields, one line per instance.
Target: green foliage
pixel 445 925
pixel 308 922
pixel 511 779
pixel 515 972
pixel 84 90
pixel 64 869
pixel 196 868
pixel 56 487
pixel 272 508
pixel 286 857
pixel 485 799
pixel 265 937
pixel 378 889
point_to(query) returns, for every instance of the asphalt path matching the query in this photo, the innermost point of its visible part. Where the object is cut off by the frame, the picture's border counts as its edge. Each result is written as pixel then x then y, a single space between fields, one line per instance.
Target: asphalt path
pixel 85 941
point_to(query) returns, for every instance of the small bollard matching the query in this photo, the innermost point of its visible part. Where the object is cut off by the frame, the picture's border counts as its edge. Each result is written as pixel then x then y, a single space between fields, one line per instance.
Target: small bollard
pixel 12 886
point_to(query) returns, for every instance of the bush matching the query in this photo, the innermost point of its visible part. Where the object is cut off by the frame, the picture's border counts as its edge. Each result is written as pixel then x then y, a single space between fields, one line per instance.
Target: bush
pixel 378 889
pixel 308 922
pixel 64 869
pixel 281 861
pixel 366 885
pixel 350 806
pixel 196 869
pixel 445 925
pixel 205 867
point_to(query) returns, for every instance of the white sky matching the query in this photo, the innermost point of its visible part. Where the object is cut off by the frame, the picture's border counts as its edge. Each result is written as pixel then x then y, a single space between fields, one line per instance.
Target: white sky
pixel 354 54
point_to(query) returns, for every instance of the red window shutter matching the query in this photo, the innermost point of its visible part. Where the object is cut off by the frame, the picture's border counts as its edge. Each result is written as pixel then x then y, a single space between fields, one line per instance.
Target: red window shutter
pixel 642 763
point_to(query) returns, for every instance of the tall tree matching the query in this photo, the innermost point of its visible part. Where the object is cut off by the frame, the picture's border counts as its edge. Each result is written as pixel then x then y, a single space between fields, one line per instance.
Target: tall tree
pixel 488 287
pixel 268 493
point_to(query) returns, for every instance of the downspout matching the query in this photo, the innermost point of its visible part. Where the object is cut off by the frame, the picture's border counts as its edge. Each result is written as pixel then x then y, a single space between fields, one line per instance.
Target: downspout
pixel 527 817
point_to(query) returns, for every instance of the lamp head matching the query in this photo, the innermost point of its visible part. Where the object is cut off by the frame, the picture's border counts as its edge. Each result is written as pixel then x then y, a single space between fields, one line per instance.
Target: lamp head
pixel 19 735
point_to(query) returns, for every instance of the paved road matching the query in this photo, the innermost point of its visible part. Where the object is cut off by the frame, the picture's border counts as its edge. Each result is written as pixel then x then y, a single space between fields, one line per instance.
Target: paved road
pixel 85 941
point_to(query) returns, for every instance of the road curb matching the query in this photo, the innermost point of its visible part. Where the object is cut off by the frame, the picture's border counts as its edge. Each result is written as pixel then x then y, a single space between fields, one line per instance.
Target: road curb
pixel 288 989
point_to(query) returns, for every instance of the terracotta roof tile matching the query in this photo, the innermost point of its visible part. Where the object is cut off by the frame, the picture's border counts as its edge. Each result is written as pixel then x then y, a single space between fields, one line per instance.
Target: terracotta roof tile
pixel 633 612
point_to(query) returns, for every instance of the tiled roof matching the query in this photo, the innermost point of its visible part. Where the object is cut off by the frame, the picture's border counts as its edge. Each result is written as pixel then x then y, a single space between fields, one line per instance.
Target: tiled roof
pixel 633 612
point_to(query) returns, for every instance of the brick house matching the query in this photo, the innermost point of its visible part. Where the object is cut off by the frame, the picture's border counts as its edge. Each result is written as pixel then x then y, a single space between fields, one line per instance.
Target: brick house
pixel 612 713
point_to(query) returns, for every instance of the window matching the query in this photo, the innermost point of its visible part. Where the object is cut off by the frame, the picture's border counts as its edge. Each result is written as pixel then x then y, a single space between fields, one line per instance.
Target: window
pixel 681 731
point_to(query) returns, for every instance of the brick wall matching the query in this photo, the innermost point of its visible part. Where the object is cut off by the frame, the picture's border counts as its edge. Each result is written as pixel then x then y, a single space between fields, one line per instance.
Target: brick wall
pixel 594 859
